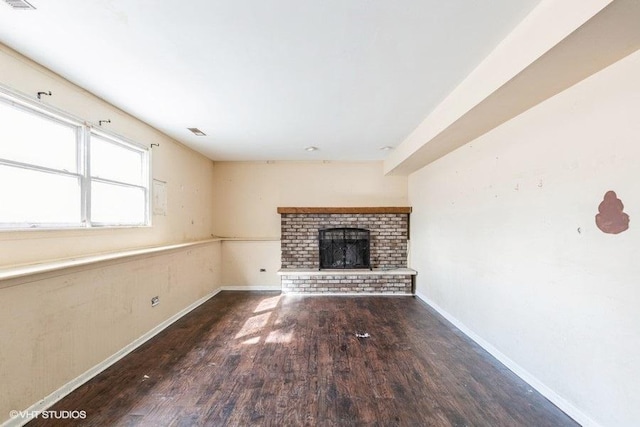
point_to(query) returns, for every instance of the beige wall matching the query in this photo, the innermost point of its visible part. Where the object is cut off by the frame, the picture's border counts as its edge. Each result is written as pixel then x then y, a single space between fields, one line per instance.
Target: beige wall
pixel 243 260
pixel 505 242
pixel 189 176
pixel 56 326
pixel 247 195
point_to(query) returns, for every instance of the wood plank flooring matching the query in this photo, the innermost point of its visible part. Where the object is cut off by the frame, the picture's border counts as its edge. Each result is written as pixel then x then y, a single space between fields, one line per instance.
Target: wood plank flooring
pixel 265 359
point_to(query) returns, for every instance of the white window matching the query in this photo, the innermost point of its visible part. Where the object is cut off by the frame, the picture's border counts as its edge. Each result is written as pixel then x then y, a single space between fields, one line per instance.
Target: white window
pixel 118 181
pixel 57 172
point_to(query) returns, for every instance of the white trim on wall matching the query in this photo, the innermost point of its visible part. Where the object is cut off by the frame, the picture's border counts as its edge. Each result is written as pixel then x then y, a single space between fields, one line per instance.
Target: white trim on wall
pixel 27 272
pixel 66 389
pixel 252 288
pixel 538 385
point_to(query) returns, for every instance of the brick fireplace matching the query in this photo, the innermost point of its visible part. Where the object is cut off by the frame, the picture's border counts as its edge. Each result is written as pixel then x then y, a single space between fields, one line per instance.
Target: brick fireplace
pixel 387 232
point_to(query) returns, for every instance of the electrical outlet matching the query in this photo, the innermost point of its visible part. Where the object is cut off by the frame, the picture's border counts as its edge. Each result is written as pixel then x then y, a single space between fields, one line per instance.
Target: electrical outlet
pixel 155 301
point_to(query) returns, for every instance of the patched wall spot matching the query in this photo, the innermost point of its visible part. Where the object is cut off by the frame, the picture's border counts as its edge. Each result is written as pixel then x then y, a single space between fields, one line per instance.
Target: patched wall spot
pixel 610 218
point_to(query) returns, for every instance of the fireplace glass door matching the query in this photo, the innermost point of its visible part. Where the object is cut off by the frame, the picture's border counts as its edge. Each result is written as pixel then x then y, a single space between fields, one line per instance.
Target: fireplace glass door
pixel 345 248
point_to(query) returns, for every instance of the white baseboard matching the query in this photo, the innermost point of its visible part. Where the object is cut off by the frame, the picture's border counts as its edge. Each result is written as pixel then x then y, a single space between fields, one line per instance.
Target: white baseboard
pixel 252 288
pixel 551 395
pixel 63 391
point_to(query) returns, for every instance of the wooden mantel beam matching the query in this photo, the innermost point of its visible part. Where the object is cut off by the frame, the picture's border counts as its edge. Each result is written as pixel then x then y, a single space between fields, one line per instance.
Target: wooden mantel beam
pixel 347 210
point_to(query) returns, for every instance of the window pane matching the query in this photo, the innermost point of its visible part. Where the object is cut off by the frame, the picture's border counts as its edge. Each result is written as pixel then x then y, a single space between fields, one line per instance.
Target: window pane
pixel 29 138
pixel 114 162
pixel 36 197
pixel 115 204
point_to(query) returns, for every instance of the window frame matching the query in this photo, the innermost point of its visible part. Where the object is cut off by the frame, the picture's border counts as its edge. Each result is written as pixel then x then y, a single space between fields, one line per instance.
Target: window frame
pixel 145 159
pixel 83 132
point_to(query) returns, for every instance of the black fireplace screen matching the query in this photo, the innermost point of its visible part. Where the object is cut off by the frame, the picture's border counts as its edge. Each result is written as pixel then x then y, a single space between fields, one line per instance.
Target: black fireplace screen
pixel 344 248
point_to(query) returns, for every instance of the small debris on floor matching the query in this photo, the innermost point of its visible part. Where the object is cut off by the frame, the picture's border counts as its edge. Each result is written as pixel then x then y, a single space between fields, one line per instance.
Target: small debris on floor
pixel 363 335
pixel 146 377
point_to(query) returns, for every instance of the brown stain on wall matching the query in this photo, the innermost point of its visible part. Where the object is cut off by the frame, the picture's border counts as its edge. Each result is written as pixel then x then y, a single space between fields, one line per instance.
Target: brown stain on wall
pixel 610 218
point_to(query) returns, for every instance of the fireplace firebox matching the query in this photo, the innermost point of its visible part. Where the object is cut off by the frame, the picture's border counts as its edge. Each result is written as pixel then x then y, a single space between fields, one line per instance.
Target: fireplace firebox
pixel 344 248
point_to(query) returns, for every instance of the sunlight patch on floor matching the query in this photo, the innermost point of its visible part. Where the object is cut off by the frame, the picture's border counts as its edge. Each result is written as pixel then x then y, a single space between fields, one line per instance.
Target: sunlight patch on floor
pixel 254 325
pixel 251 341
pixel 268 304
pixel 279 336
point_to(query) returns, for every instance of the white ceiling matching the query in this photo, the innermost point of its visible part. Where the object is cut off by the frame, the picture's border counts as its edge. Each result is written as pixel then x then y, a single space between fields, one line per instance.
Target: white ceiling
pixel 266 78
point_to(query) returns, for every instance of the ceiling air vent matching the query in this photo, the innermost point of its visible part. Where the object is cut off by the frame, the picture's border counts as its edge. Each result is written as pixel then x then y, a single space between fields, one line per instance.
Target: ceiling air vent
pixel 197 132
pixel 20 4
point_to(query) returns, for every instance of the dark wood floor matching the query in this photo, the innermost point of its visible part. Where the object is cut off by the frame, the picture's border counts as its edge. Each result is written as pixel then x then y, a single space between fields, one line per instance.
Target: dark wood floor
pixel 265 359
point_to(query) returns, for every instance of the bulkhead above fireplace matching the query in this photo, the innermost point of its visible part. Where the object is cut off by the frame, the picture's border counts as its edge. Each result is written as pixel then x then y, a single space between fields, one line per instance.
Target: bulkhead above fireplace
pixel 344 248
